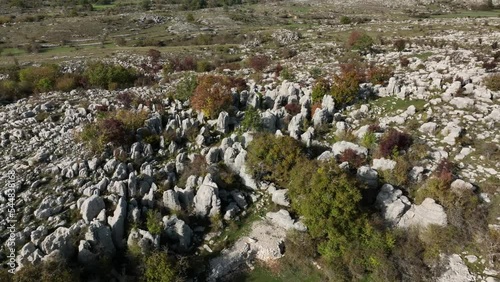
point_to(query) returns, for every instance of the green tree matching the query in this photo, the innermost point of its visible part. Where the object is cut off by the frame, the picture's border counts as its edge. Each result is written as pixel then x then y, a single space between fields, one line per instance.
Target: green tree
pixel 329 201
pixel 109 76
pixel 272 157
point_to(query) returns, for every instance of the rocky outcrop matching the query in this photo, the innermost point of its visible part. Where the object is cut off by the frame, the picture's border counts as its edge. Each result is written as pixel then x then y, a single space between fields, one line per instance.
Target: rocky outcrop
pixel 423 215
pixel 206 201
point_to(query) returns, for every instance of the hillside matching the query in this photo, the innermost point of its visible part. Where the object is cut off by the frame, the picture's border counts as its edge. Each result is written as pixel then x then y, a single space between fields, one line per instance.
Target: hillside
pixel 249 141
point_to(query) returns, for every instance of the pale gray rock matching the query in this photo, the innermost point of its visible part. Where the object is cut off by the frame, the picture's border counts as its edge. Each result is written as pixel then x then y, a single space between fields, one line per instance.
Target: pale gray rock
pixel 48 207
pixel 117 222
pixel 307 137
pixel 416 174
pixel 326 156
pixel 280 197
pixel 206 201
pixel 462 102
pixel 451 132
pixel 214 155
pixel 60 240
pixel 154 123
pixel 265 243
pixel 320 117
pixel 456 270
pixel 423 215
pixel 392 203
pixel 460 185
pixel 91 207
pixel 383 164
pixel 110 166
pixel 231 211
pixel 283 219
pixel 28 254
pixel 132 184
pixel 239 198
pixel 328 104
pixel 367 175
pixel 85 255
pixel 428 128
pixel 120 172
pixel 339 147
pixel 178 231
pixel 171 200
pixel 99 235
pixel 223 122
pixel 269 121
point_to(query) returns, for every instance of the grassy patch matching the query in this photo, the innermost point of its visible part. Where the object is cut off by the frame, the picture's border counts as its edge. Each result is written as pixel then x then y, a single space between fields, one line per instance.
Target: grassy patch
pixel 393 104
pixel 424 56
pixel 471 14
pixel 288 274
pixel 12 52
pixel 102 7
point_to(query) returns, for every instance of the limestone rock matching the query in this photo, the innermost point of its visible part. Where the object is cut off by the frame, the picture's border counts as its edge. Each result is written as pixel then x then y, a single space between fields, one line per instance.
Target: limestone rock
pixel 423 215
pixel 91 207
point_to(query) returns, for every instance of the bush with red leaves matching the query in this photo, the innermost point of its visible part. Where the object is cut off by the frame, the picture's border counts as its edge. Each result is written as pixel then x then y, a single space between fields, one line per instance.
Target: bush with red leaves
pixel 399 44
pixel 352 158
pixel 374 128
pixel 359 40
pixel 314 107
pixel 394 141
pixel 379 74
pixel 126 99
pixel 259 62
pixel 212 95
pixel 444 171
pixel 292 108
pixel 239 83
pixel 187 63
pixel 114 131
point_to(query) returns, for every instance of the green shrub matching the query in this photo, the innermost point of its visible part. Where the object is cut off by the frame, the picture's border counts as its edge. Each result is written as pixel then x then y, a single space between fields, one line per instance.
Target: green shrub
pixel 204 66
pixel 360 41
pixel 270 157
pixel 190 17
pixel 154 222
pixel 50 271
pixel 42 78
pixel 251 121
pixel 66 83
pixel 369 139
pixel 320 89
pixel 185 88
pixel 345 20
pixel 109 76
pixel 315 72
pixel 286 74
pixel 399 175
pixel 329 201
pixel 158 268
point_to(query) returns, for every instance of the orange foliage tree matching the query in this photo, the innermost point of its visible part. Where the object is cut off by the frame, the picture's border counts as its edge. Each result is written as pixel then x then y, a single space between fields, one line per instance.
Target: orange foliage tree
pixel 212 95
